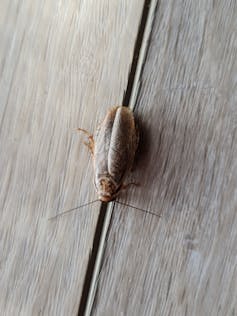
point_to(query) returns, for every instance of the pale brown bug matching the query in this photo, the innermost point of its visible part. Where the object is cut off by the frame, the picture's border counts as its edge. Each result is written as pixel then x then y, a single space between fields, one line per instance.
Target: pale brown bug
pixel 113 149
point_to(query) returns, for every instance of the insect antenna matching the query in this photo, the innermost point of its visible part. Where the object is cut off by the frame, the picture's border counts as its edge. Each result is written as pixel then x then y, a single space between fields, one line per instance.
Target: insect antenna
pixel 137 208
pixel 73 209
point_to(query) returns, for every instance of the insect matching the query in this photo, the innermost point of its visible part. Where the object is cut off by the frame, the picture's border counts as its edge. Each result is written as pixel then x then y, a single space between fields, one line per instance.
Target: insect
pixel 113 149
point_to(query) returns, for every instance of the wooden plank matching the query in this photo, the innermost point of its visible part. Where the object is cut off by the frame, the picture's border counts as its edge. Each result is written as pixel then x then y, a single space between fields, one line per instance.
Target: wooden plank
pixel 183 263
pixel 12 33
pixel 63 64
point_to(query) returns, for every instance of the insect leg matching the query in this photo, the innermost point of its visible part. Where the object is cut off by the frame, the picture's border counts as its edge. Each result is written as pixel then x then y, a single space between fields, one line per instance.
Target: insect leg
pixel 90 143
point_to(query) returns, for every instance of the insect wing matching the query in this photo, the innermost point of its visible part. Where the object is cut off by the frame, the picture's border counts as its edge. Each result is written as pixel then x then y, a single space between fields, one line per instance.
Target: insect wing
pixel 122 144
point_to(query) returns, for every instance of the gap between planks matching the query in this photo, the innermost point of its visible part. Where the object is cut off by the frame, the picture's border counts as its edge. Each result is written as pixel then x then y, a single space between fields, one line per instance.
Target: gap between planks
pixel 106 210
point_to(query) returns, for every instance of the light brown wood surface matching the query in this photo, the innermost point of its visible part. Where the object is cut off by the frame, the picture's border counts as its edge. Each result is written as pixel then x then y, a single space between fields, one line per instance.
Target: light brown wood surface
pixel 62 65
pixel 184 263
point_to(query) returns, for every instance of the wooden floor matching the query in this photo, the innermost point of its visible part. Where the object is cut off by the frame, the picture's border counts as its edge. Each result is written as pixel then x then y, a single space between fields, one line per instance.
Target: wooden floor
pixel 63 64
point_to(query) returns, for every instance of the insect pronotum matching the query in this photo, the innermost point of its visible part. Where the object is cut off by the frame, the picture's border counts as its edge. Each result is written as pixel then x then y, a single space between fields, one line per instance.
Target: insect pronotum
pixel 113 150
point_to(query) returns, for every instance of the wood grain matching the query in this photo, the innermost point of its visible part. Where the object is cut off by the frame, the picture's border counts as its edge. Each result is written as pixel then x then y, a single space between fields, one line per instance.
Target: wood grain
pixel 184 263
pixel 62 65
